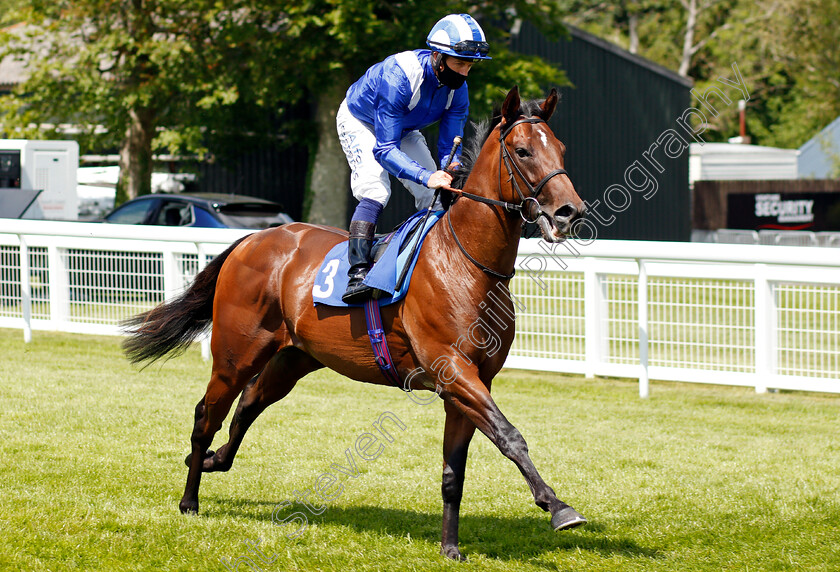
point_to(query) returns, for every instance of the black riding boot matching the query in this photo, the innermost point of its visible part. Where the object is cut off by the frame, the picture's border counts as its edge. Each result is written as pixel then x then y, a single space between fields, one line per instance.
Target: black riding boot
pixel 358 254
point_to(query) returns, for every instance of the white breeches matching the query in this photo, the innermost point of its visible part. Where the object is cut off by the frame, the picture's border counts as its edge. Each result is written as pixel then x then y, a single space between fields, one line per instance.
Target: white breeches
pixel 368 180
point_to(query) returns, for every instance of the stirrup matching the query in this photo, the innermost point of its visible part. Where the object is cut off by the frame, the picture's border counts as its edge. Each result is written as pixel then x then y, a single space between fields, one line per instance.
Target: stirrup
pixel 357 291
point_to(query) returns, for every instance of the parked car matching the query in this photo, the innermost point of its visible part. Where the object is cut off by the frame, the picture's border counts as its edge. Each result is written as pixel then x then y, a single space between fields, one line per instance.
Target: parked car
pixel 206 210
pixel 95 275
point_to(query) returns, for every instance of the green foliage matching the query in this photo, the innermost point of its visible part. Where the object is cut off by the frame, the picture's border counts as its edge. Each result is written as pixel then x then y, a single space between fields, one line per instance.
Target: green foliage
pixel 210 77
pixel 218 76
pixel 336 41
pixel 788 53
pixel 187 63
pixel 490 81
pixel 804 50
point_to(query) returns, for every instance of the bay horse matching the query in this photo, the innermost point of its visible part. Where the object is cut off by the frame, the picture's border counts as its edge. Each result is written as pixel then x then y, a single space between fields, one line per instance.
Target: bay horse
pixel 267 333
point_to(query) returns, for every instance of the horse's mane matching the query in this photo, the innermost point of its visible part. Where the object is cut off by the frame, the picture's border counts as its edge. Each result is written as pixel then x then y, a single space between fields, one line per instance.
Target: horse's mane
pixel 472 147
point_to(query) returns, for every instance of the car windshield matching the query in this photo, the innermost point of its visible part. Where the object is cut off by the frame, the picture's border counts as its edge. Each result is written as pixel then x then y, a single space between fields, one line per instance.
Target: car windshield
pixel 252 215
pixel 132 212
pixel 175 213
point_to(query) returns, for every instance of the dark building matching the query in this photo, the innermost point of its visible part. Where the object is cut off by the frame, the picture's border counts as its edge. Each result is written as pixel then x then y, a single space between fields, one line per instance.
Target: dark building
pixel 620 105
pixel 273 172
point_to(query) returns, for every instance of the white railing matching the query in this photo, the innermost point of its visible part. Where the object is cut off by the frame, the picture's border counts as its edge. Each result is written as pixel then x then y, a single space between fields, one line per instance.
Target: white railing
pixel 87 277
pixel 759 316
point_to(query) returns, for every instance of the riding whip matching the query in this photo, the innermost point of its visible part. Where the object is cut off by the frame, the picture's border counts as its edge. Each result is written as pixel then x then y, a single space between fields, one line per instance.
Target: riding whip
pixel 456 142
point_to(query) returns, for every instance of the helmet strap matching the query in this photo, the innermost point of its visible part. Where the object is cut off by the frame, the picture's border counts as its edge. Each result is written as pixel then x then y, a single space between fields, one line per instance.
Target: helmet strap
pixel 437 65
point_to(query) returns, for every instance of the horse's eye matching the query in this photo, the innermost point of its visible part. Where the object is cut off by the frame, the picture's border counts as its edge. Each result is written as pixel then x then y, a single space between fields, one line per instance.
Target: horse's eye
pixel 522 153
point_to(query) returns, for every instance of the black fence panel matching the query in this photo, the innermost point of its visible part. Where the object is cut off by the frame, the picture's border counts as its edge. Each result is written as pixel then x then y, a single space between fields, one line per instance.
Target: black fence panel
pixel 276 173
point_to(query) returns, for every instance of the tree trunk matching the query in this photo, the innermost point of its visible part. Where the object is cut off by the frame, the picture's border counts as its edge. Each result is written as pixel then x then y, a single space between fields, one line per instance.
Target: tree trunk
pixel 136 156
pixel 326 201
pixel 691 11
pixel 634 33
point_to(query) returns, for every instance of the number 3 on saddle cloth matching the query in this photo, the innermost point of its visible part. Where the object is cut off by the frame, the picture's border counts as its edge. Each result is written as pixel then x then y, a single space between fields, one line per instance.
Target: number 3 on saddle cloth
pixel 392 258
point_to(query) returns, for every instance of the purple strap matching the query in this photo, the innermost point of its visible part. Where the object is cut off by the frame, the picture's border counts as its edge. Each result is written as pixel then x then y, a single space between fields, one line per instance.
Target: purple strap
pixel 380 344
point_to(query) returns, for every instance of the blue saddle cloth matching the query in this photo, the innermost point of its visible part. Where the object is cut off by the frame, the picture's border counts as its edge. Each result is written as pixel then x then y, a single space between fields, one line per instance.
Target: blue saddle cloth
pixel 331 281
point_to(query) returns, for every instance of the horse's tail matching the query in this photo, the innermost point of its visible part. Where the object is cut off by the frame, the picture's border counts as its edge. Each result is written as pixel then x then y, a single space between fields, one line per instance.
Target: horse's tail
pixel 171 327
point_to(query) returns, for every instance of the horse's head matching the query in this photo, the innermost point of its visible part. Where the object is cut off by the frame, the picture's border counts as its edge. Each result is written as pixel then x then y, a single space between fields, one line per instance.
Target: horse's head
pixel 534 160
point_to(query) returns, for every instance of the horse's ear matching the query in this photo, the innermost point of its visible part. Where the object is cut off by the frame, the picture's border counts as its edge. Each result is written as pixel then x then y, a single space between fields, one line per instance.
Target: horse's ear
pixel 547 107
pixel 510 108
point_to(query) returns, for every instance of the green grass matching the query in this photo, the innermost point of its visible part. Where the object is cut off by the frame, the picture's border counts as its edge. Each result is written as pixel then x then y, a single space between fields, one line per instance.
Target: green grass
pixel 694 478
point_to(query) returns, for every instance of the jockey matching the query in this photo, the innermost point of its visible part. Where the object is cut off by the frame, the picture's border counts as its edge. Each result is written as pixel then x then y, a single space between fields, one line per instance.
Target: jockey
pixel 378 126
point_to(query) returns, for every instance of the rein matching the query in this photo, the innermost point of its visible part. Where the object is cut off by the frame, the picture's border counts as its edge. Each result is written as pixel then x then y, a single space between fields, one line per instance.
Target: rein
pixel 534 191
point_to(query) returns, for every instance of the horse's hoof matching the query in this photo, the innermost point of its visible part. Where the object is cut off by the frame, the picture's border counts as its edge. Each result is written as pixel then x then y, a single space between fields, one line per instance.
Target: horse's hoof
pixel 213 462
pixel 453 553
pixel 211 465
pixel 567 518
pixel 188 507
pixel 207 455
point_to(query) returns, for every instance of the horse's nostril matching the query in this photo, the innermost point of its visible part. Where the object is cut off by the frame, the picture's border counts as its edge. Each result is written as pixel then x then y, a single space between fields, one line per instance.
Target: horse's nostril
pixel 566 213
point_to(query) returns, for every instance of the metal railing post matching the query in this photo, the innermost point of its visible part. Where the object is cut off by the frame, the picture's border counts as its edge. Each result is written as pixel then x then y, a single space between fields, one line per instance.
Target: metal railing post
pixel 594 334
pixel 205 338
pixel 766 329
pixel 644 382
pixel 59 287
pixel 25 290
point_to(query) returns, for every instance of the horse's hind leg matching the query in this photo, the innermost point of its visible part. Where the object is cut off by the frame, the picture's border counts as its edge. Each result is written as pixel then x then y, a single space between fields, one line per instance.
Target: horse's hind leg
pixel 274 383
pixel 227 380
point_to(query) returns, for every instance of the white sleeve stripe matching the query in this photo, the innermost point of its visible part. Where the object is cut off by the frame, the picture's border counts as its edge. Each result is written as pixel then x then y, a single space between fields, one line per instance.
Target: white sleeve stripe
pixel 410 65
pixel 449 101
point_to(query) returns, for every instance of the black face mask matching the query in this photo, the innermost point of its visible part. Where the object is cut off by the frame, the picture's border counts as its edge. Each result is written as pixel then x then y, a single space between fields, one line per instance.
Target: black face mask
pixel 449 77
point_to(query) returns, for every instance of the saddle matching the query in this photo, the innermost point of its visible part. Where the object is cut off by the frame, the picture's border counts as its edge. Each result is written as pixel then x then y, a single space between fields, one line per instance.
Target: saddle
pixel 390 255
pixel 381 241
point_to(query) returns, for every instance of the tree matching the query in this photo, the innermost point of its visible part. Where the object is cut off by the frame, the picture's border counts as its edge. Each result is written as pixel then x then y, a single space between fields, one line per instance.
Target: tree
pixel 701 39
pixel 333 42
pixel 804 51
pixel 618 21
pixel 139 74
pixel 181 74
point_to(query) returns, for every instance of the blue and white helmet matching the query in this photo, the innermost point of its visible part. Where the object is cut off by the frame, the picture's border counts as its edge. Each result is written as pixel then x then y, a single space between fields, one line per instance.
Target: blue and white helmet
pixel 460 36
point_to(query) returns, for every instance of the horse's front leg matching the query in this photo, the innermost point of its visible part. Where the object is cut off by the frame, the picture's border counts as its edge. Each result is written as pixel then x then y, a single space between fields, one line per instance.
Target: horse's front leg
pixel 470 396
pixel 457 434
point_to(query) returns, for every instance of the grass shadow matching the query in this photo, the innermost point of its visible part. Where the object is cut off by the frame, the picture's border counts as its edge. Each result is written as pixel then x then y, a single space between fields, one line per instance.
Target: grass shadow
pixel 503 538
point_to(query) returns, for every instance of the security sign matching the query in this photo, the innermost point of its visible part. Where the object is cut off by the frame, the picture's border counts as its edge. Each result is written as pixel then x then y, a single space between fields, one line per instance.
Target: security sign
pixel 784 211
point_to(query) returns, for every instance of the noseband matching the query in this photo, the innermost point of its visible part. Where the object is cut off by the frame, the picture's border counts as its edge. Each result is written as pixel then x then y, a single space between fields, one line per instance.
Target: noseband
pixel 511 166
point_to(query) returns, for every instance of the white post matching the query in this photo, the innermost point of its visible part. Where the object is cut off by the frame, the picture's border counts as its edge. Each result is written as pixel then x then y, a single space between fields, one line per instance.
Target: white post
pixel 25 290
pixel 765 328
pixel 644 382
pixel 170 273
pixel 593 332
pixel 205 338
pixel 59 287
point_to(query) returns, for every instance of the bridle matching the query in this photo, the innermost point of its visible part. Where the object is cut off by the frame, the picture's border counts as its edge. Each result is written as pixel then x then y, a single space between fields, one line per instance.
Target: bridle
pixel 511 166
